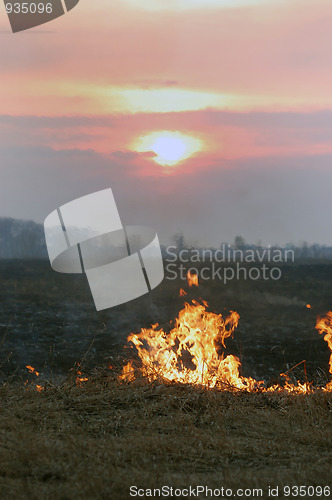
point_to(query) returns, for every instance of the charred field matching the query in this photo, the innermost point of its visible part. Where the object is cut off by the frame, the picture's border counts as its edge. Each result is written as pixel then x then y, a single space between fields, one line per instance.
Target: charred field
pixel 96 439
pixel 48 320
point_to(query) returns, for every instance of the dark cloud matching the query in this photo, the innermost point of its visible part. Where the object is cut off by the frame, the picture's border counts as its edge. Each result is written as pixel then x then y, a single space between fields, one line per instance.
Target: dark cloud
pixel 287 119
pixel 56 121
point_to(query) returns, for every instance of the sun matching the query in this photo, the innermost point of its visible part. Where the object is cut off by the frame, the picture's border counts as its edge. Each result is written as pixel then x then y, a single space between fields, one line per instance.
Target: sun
pixel 169 147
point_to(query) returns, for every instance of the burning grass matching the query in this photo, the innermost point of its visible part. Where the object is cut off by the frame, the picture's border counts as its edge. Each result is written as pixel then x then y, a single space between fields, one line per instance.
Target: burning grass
pixel 97 439
pixel 193 353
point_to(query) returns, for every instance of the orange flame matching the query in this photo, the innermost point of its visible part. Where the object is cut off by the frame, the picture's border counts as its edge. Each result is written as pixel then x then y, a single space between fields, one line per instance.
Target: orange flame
pixel 32 370
pixel 192 352
pixel 182 293
pixel 308 306
pixel 128 372
pixel 39 388
pixel 324 325
pixel 192 279
pixel 80 379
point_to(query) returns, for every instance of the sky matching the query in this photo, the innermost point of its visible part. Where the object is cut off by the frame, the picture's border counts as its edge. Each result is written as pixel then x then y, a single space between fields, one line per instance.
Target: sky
pixel 245 87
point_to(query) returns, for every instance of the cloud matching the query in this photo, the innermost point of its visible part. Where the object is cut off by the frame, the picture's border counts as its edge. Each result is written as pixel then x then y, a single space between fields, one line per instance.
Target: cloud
pixel 278 52
pixel 225 135
pixel 56 121
pixel 283 119
pixel 171 5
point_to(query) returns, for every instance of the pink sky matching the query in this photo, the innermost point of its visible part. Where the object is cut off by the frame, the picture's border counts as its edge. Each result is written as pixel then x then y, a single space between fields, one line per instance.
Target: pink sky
pixel 252 82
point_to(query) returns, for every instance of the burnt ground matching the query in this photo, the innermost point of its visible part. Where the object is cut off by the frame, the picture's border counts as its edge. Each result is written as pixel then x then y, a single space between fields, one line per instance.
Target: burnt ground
pixel 48 320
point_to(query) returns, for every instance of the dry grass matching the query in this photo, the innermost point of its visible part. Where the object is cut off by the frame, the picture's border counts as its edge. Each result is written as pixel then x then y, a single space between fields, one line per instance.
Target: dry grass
pixel 94 441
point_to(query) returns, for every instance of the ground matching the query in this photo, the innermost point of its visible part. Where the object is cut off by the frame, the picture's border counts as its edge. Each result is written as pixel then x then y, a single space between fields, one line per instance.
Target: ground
pixel 97 439
pixel 48 320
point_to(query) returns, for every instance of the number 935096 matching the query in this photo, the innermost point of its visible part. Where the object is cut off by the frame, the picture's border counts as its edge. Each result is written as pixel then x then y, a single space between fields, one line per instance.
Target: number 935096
pixel 29 8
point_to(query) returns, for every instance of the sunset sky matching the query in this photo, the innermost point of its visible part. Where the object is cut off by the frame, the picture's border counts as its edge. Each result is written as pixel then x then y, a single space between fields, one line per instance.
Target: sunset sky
pixel 241 88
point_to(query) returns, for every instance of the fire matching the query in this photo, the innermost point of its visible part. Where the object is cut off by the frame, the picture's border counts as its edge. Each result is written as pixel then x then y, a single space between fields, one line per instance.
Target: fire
pixel 192 352
pixel 39 388
pixel 32 370
pixel 79 377
pixel 182 293
pixel 128 372
pixel 308 306
pixel 192 279
pixel 324 325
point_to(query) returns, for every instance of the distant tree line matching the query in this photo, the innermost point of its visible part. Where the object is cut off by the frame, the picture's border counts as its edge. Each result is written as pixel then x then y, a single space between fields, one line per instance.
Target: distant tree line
pixel 301 251
pixel 21 239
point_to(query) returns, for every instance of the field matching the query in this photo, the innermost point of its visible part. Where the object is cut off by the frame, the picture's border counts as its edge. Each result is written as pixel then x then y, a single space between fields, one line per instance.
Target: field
pixel 48 320
pixel 97 439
